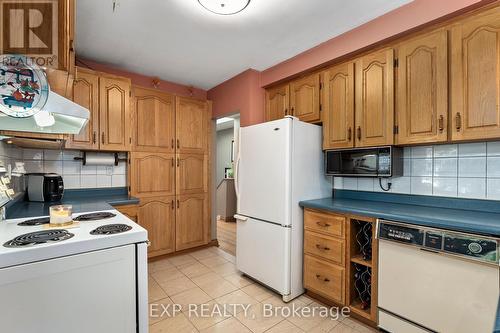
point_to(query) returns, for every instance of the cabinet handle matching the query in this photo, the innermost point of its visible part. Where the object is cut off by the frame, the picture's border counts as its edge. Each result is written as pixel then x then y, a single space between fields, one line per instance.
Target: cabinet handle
pixel 322 279
pixel 286 112
pixel 173 204
pixel 293 111
pixel 172 143
pixel 178 143
pixel 458 120
pixel 94 137
pixel 441 123
pixel 102 137
pixel 71 46
pixel 177 203
pixel 322 224
pixel 324 248
pixel 359 132
pixel 173 162
pixel 349 134
pixel 178 162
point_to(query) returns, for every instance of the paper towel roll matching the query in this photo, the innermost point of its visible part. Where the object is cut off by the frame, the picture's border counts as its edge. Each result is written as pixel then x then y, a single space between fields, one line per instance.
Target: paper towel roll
pixel 99 159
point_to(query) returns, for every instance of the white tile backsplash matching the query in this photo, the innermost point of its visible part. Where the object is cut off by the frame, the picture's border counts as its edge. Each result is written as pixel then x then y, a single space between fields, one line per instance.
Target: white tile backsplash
pixel 469 170
pixel 62 162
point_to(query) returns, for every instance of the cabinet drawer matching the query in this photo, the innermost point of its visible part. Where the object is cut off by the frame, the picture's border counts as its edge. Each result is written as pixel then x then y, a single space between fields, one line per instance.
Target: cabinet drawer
pixel 324 246
pixel 324 278
pixel 327 223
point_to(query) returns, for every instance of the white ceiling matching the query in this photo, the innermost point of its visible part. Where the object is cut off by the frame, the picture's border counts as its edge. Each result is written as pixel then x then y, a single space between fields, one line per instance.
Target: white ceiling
pixel 180 41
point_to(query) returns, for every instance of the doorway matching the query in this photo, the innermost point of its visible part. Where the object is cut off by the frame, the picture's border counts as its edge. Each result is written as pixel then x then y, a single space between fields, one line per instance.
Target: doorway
pixel 227 135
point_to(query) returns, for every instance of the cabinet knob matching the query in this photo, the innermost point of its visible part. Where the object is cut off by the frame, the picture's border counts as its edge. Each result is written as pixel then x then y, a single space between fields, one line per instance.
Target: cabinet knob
pixel 458 121
pixel 178 203
pixel 102 137
pixel 94 137
pixel 293 111
pixel 172 143
pixel 286 112
pixel 359 132
pixel 349 134
pixel 173 206
pixel 178 144
pixel 441 123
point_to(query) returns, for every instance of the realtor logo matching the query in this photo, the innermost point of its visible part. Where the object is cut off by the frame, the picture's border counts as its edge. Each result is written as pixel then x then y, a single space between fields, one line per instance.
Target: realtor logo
pixel 30 28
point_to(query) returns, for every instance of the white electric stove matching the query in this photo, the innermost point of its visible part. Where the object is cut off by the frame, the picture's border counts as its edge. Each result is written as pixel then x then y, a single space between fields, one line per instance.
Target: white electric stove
pixel 92 278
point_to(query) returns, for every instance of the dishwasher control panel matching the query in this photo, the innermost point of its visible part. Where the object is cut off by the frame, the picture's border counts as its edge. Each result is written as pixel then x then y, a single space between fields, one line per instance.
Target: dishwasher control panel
pixel 469 246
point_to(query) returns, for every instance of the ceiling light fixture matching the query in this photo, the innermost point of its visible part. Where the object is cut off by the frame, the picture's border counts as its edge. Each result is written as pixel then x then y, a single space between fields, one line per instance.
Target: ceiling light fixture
pixel 224 7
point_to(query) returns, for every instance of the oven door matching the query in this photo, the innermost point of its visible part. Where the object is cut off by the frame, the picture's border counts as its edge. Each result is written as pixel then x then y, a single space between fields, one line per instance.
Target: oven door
pixel 90 292
pixel 422 291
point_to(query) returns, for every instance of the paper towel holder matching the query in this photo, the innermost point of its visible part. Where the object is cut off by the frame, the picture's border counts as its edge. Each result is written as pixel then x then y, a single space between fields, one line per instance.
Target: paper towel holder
pixel 84 159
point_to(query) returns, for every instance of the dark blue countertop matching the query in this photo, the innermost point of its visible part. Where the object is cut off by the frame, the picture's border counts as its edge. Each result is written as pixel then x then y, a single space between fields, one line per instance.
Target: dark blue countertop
pixel 475 216
pixel 82 200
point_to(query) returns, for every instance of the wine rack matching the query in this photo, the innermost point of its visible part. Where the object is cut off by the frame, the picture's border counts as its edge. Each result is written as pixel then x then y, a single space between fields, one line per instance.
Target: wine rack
pixel 362 254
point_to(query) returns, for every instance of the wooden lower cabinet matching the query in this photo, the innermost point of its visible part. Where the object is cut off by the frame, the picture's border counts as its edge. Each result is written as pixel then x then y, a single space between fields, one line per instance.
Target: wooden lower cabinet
pixel 336 266
pixel 192 224
pixel 157 216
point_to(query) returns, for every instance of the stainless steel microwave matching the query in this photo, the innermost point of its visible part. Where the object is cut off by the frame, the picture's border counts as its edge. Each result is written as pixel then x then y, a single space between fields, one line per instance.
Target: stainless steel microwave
pixel 365 162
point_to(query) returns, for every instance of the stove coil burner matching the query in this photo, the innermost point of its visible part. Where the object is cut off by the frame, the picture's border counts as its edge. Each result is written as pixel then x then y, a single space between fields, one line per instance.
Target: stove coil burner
pixel 39 237
pixel 94 216
pixel 111 229
pixel 34 222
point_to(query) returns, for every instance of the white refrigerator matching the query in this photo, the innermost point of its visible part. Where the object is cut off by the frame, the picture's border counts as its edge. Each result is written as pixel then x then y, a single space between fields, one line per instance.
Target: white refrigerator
pixel 279 164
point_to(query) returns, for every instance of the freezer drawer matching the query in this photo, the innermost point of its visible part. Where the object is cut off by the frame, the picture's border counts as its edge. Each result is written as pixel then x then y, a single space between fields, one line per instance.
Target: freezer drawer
pixel 263 252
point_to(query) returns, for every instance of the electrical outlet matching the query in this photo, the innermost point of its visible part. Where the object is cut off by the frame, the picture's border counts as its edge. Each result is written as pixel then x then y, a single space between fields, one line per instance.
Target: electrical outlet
pixel 109 170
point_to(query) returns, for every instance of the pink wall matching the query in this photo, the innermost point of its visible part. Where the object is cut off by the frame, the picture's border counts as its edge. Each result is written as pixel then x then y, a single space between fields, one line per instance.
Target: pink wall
pixel 243 92
pixel 145 81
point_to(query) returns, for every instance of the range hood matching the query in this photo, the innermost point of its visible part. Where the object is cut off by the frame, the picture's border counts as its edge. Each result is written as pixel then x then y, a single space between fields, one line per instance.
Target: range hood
pixel 58 116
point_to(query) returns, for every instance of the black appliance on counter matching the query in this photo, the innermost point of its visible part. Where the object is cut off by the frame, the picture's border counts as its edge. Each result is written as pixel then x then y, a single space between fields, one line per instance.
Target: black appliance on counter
pixel 365 162
pixel 45 187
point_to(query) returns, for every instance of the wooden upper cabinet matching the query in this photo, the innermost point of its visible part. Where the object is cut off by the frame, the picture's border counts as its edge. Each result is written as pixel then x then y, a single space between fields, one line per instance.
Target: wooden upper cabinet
pixel 338 103
pixel 153 121
pixel 157 216
pixel 475 81
pixel 422 91
pixel 305 102
pixel 86 93
pixel 191 221
pixel 152 174
pixel 191 125
pixel 192 174
pixel 277 102
pixel 114 113
pixel 375 99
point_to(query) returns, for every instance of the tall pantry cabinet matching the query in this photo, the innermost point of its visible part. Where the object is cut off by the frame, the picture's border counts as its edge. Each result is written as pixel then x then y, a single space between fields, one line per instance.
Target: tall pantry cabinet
pixel 169 169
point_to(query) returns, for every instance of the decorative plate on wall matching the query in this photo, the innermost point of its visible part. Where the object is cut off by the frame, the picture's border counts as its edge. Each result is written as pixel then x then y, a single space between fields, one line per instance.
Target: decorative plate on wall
pixel 24 88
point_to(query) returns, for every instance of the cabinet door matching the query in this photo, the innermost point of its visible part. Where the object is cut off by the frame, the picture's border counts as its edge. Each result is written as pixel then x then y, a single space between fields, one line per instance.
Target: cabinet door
pixel 157 216
pixel 152 174
pixel 191 221
pixel 305 98
pixel 114 112
pixel 86 93
pixel 192 173
pixel 277 102
pixel 153 121
pixel 422 92
pixel 338 101
pixel 375 99
pixel 191 125
pixel 475 77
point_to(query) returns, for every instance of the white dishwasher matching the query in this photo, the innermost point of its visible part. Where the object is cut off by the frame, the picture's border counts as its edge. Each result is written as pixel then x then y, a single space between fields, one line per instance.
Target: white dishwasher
pixel 434 280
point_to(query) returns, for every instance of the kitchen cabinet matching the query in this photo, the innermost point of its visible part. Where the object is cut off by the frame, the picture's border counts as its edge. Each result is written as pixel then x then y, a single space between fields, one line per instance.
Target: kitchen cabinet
pixel 157 216
pixel 153 119
pixel 191 117
pixel 66 30
pixel 114 113
pixel 340 261
pixel 305 102
pixel 192 174
pixel 338 103
pixel 152 174
pixel 277 102
pixel 475 77
pixel 86 94
pixel 422 89
pixel 374 99
pixel 191 221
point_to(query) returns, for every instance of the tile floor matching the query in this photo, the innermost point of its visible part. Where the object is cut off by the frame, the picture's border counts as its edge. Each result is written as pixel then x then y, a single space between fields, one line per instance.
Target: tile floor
pixel 209 277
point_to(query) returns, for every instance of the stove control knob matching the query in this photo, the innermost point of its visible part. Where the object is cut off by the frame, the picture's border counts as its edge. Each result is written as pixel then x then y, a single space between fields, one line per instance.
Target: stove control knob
pixel 475 248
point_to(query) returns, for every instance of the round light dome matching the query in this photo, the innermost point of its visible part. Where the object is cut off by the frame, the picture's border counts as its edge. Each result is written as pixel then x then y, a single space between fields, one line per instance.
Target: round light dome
pixel 224 7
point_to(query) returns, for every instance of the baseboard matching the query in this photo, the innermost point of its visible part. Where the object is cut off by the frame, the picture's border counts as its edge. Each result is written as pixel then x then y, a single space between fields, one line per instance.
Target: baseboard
pixel 213 242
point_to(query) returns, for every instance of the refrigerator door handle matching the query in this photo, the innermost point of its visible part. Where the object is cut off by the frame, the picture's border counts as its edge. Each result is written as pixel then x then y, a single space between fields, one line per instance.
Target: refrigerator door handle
pixel 236 176
pixel 240 217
